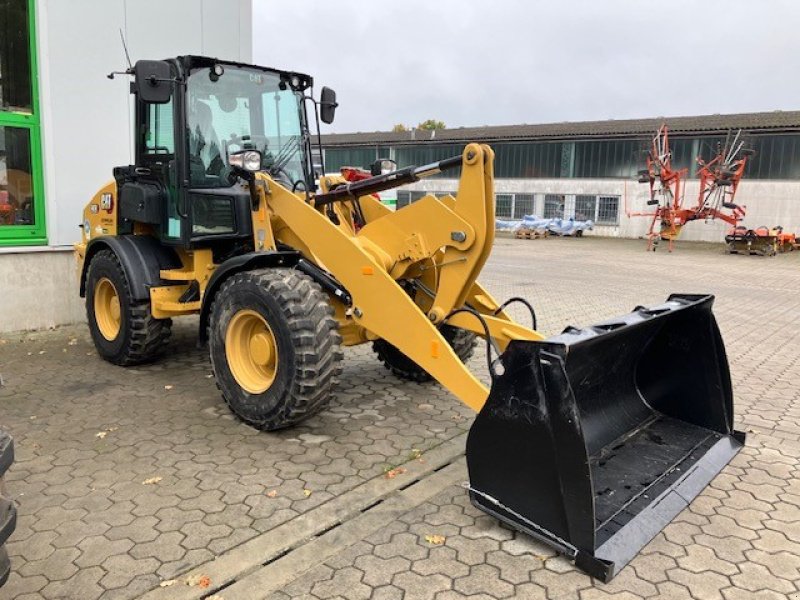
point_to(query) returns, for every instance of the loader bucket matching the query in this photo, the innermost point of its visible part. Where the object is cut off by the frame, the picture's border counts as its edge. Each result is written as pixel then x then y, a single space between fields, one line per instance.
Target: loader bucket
pixel 595 439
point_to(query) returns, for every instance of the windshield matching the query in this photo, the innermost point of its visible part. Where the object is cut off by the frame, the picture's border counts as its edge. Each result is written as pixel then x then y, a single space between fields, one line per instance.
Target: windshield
pixel 242 109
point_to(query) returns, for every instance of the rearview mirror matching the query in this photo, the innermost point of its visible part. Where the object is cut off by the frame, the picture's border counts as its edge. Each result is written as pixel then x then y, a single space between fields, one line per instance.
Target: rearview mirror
pixel 327 105
pixel 153 81
pixel 382 166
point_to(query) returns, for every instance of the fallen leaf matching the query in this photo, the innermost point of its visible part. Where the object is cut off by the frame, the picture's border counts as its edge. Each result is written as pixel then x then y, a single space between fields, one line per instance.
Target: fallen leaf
pixel 30 353
pixel 167 583
pixel 3 342
pixel 167 387
pixel 33 417
pixel 392 473
pixel 42 351
pixel 101 434
pixel 112 428
pixel 272 493
pixel 89 353
pixel 436 540
pixel 541 557
pixel 306 493
pixel 415 453
pixel 152 480
pixel 72 342
pixel 202 581
pixel 209 376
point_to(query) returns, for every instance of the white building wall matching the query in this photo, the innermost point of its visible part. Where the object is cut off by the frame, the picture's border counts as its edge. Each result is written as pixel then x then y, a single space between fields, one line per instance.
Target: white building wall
pixel 86 123
pixel 768 203
pixel 86 117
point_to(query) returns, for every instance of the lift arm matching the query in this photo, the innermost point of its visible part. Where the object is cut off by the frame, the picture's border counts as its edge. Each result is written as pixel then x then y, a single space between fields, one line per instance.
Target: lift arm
pixel 452 237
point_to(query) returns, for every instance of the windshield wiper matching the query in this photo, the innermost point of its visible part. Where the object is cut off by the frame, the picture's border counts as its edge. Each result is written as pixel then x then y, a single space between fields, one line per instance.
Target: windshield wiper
pixel 285 154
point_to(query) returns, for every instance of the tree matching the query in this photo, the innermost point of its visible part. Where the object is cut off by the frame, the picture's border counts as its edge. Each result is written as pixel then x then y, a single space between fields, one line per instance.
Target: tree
pixel 431 124
pixel 399 127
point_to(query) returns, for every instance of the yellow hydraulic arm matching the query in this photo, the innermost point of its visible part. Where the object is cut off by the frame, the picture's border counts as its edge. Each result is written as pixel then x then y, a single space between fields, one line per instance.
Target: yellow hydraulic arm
pixel 441 243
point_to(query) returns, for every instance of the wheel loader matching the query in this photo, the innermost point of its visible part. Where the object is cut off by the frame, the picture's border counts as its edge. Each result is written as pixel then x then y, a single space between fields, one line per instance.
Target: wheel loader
pixel 580 440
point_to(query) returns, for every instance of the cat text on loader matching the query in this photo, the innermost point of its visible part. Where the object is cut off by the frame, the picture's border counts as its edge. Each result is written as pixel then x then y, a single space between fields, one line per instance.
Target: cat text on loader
pixel 584 440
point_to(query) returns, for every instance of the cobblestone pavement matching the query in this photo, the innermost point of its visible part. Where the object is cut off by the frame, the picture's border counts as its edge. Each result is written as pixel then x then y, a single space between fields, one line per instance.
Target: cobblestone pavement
pixel 89 435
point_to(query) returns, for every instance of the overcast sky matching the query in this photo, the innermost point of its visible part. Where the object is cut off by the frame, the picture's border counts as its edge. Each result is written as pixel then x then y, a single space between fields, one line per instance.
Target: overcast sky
pixel 495 62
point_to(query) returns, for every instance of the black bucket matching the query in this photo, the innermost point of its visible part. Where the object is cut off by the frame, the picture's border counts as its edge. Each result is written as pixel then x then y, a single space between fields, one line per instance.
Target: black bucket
pixel 595 439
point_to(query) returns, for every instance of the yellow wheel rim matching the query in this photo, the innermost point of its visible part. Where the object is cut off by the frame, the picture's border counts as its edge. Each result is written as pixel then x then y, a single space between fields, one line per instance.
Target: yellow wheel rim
pixel 107 309
pixel 251 351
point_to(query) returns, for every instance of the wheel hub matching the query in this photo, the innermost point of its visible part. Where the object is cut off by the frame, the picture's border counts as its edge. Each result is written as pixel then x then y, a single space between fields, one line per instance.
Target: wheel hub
pixel 107 309
pixel 251 351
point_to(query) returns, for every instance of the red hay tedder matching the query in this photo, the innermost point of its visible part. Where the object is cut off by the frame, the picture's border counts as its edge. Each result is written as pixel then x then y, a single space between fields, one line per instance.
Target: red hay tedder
pixel 719 180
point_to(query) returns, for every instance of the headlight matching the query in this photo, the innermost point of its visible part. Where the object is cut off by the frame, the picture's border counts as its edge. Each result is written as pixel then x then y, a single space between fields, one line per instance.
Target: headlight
pixel 247 160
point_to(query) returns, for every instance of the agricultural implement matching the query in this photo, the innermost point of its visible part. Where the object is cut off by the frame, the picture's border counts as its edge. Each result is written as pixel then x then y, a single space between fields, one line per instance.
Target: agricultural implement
pixel 719 181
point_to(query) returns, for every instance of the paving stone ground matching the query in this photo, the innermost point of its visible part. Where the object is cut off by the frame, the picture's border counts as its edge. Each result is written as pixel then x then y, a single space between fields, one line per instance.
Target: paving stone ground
pixel 89 435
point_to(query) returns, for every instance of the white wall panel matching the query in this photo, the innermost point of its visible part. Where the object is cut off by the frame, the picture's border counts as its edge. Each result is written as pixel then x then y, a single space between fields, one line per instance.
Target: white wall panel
pixel 84 114
pixel 86 118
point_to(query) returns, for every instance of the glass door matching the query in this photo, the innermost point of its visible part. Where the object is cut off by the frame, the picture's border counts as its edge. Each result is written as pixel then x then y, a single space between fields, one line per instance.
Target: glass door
pixel 22 219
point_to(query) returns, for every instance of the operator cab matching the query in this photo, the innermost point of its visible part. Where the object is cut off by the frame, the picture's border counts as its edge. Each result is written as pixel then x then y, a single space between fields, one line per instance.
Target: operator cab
pixel 202 127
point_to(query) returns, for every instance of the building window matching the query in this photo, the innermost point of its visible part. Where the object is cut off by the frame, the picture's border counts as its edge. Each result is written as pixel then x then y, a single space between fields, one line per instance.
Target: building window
pixel 16 178
pixel 417 196
pixel 21 198
pixel 554 206
pixel 504 204
pixel 585 208
pixel 403 199
pixel 523 205
pixel 608 210
pixel 15 64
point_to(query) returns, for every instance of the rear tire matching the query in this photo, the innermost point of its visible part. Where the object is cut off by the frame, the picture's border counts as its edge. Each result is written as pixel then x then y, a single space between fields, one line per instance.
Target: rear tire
pixel 275 347
pixel 462 341
pixel 123 329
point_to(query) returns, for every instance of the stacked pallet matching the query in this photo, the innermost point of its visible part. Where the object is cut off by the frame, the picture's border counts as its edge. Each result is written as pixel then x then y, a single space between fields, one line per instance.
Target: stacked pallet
pixel 524 233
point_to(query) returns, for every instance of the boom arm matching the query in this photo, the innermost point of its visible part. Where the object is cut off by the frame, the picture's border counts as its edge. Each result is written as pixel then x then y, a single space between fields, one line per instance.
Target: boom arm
pixel 450 238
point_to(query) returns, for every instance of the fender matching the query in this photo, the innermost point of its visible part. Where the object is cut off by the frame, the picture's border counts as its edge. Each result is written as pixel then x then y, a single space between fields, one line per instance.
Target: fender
pixel 142 258
pixel 260 260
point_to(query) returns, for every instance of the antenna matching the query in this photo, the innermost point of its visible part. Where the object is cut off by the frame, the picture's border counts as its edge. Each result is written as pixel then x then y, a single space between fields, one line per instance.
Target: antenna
pixel 127 56
pixel 125 47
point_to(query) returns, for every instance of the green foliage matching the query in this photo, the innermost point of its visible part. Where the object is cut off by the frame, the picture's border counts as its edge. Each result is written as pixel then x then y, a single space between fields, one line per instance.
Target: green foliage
pixel 399 127
pixel 432 124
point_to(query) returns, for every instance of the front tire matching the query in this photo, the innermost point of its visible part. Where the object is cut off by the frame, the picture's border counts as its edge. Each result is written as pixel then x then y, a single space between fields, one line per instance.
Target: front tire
pixel 275 347
pixel 123 329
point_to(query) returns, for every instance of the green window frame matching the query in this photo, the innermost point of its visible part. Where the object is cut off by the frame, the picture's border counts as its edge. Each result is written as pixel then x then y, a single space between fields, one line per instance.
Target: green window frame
pixel 36 234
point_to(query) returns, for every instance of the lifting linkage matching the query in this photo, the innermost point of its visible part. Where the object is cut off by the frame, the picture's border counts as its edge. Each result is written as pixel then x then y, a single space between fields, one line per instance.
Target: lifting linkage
pixel 581 441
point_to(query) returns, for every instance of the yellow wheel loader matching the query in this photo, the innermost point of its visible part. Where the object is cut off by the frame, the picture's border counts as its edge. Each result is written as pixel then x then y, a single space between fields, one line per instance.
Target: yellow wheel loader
pixel 592 440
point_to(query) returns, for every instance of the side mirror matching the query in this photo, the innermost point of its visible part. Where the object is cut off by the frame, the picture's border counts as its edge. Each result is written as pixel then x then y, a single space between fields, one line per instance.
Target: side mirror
pixel 382 165
pixel 327 105
pixel 153 80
